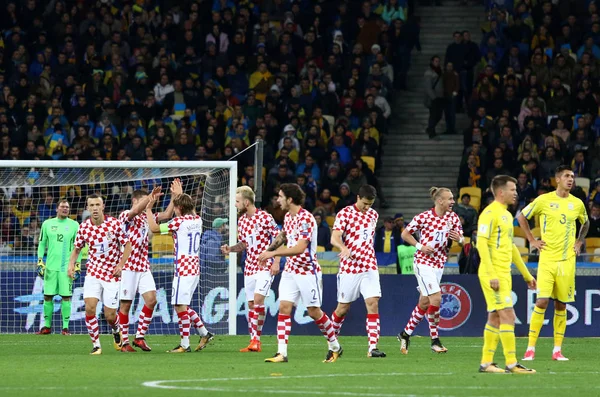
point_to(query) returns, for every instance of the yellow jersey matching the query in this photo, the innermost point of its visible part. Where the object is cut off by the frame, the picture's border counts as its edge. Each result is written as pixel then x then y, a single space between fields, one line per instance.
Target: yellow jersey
pixel 557 221
pixel 495 230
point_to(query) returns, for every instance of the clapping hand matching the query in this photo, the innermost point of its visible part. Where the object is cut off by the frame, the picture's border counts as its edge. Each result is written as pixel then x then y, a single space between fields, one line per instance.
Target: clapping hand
pixel 176 187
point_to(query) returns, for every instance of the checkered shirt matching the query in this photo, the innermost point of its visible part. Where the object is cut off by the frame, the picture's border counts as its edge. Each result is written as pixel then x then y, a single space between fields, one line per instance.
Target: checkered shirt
pixel 302 227
pixel 137 231
pixel 358 230
pixel 257 232
pixel 104 242
pixel 187 233
pixel 433 231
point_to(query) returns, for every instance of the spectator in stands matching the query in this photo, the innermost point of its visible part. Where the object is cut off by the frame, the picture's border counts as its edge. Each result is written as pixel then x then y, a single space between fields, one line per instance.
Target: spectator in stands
pixel 346 197
pixel 325 203
pixel 210 252
pixel 434 94
pixel 47 209
pixel 355 180
pixel 471 173
pixel 467 214
pixel 387 237
pixel 323 231
pixel 594 221
pixel 185 82
pixel 525 190
pixel 399 223
pixel 274 209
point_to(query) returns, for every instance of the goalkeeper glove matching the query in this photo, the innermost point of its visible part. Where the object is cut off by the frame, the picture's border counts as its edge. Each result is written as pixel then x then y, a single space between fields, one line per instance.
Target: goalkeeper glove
pixel 77 272
pixel 41 268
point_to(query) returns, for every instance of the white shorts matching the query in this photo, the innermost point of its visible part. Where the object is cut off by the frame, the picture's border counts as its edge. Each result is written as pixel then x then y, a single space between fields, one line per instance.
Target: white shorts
pixel 184 288
pixel 351 286
pixel 105 291
pixel 309 288
pixel 429 279
pixel 133 282
pixel 258 283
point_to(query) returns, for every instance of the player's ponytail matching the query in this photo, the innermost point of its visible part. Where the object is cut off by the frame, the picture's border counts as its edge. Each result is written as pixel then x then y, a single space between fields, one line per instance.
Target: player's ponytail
pixel 435 192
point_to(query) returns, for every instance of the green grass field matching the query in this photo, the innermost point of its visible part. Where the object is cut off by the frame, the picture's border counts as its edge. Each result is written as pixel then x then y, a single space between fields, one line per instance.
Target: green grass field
pixel 56 365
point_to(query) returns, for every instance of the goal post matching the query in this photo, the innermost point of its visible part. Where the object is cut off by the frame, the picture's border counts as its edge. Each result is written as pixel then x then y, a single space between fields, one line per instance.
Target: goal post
pixel 30 191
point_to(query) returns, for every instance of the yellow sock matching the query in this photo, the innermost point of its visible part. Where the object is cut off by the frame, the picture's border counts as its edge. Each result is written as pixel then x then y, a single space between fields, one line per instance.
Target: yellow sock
pixel 537 320
pixel 491 337
pixel 509 343
pixel 560 325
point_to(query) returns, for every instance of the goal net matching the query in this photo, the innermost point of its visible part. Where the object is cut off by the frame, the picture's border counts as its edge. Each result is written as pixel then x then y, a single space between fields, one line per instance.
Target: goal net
pixel 29 194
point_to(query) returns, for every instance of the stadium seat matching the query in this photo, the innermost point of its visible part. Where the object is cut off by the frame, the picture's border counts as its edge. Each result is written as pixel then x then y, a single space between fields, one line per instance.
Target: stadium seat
pixel 329 269
pixel 330 220
pixel 472 191
pixel 553 182
pixel 592 244
pixel 335 199
pixel 519 241
pixel 162 244
pixel 518 232
pixel 390 269
pixel 467 240
pixel 455 249
pixel 583 183
pixel 264 174
pixel 524 253
pixel 320 248
pixel 370 162
pixel 331 121
pixel 476 202
pixel 597 255
pixel 537 232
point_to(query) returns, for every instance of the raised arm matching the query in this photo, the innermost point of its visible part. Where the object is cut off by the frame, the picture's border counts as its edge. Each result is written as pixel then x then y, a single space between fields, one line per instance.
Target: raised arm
pixel 140 206
pixel 176 190
pixel 152 224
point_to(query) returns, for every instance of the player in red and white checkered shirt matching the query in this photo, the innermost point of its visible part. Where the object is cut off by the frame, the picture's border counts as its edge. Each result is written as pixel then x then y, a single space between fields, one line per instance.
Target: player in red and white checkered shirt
pixel 105 236
pixel 256 230
pixel 186 229
pixel 301 281
pixel 353 233
pixel 435 227
pixel 136 276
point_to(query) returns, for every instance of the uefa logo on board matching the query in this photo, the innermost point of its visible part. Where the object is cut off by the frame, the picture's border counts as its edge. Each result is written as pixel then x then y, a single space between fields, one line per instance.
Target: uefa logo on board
pixel 455 308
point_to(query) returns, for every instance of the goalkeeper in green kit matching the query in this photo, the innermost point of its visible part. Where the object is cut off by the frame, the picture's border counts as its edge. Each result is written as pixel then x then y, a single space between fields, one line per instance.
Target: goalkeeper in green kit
pixel 58 235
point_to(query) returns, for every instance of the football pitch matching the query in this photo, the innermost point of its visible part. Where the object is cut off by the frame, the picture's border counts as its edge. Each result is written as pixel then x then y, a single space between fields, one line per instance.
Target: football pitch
pixel 60 365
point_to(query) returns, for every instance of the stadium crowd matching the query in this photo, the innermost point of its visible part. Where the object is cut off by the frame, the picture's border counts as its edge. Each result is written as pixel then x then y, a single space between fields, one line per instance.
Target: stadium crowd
pixel 201 80
pixel 531 90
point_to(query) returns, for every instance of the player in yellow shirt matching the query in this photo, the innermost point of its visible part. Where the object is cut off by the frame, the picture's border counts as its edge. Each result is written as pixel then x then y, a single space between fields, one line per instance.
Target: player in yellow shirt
pixel 497 252
pixel 558 212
